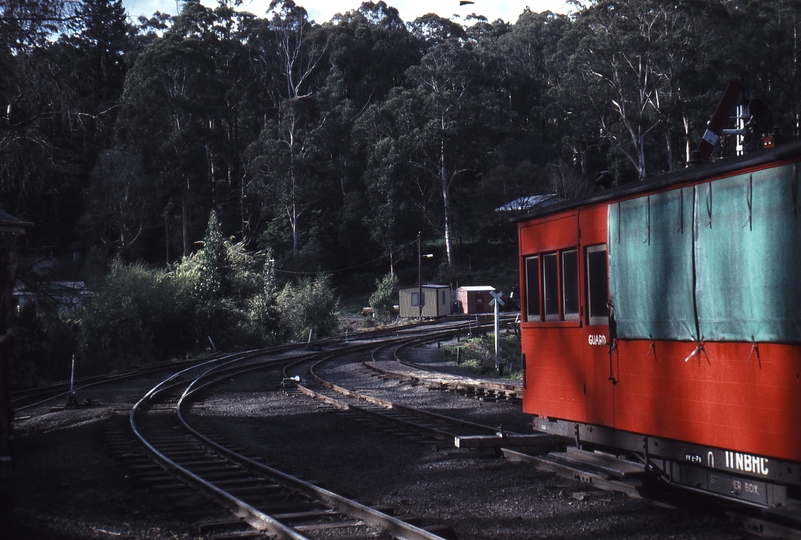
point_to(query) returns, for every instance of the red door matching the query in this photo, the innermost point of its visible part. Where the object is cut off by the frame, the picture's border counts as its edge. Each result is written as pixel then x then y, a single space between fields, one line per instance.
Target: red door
pixel 599 373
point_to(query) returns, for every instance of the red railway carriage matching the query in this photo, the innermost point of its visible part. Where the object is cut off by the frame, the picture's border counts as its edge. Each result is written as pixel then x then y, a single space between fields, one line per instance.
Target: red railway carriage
pixel 662 321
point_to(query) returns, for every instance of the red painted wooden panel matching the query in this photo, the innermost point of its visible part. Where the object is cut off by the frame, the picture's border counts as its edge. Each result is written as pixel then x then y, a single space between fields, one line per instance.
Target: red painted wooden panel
pixel 558 231
pixel 554 373
pixel 721 398
pixel 600 398
pixel 726 397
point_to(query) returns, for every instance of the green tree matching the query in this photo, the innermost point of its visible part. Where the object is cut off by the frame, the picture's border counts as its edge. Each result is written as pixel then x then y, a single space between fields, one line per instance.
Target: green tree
pixel 453 113
pixel 632 70
pixel 228 291
pixel 136 315
pixel 764 46
pixel 309 306
pixel 47 132
pixel 119 205
pixel 384 298
pixel 45 340
pixel 171 99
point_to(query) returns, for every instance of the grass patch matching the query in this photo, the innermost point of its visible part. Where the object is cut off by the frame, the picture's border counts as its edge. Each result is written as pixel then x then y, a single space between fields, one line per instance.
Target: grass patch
pixel 477 354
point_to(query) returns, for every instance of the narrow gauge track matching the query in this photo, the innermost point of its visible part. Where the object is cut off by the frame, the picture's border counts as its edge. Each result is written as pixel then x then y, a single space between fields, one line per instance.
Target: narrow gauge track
pixel 455 431
pixel 33 397
pixel 28 398
pixel 482 389
pixel 269 501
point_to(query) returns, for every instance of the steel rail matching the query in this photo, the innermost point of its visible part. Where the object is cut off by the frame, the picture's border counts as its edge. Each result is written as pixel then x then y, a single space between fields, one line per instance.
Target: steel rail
pixel 451 382
pixel 61 389
pixel 505 388
pixel 390 405
pixel 371 516
pixel 236 506
pixel 220 371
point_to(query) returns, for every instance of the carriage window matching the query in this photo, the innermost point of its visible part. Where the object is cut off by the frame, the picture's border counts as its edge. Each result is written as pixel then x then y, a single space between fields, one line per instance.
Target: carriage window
pixel 550 286
pixel 533 288
pixel 570 294
pixel 597 285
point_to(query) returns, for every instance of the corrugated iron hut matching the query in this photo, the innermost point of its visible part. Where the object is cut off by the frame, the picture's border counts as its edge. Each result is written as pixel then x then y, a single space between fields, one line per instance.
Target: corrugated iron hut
pixel 474 299
pixel 436 301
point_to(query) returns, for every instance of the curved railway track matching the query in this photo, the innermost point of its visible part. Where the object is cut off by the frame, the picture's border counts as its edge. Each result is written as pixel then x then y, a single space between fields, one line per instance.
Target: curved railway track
pixel 28 398
pixel 262 497
pixel 455 431
pixel 599 471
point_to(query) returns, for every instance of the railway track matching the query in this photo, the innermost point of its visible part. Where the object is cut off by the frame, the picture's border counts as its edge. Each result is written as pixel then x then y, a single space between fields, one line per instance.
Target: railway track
pixel 260 497
pixel 438 427
pixel 58 393
pixel 485 390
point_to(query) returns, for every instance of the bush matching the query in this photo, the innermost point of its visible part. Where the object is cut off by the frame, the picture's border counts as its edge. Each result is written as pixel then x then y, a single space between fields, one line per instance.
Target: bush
pixel 137 315
pixel 221 292
pixel 44 341
pixel 309 305
pixel 478 354
pixel 383 299
pixel 231 292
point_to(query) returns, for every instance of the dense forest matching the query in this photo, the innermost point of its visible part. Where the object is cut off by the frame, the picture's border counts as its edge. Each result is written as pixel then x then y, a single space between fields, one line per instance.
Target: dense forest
pixel 333 145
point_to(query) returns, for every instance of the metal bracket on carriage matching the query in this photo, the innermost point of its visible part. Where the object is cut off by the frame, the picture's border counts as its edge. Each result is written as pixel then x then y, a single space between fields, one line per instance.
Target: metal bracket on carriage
pixel 754 349
pixel 697 352
pixel 652 347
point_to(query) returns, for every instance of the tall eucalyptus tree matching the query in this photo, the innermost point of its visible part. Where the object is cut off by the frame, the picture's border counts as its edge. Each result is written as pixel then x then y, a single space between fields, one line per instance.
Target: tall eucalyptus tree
pixel 289 49
pixel 636 65
pixel 170 100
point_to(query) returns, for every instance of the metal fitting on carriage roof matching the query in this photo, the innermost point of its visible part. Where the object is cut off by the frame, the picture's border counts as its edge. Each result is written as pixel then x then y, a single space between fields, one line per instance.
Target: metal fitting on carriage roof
pixel 696 158
pixel 604 180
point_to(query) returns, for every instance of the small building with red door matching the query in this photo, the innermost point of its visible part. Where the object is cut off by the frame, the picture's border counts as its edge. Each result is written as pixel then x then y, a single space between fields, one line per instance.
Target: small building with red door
pixel 474 299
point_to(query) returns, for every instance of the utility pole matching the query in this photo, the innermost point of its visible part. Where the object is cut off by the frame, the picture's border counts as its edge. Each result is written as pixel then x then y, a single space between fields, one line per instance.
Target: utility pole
pixel 419 279
pixel 497 303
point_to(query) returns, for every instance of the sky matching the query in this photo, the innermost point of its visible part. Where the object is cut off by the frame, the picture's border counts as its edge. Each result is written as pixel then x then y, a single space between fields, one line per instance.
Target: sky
pixel 323 10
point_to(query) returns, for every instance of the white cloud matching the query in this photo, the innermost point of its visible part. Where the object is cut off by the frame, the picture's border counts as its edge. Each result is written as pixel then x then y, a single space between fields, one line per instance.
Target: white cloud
pixel 323 10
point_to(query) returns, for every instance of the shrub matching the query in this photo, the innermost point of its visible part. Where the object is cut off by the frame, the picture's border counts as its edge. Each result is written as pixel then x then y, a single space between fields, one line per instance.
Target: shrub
pixel 44 341
pixel 478 354
pixel 309 305
pixel 231 292
pixel 136 315
pixel 383 299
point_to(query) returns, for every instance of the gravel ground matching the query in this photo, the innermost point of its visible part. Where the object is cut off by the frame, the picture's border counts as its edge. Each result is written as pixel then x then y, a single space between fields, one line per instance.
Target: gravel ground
pixel 66 485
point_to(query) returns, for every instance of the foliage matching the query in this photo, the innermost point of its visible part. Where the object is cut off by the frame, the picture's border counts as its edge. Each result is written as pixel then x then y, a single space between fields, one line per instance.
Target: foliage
pixel 478 354
pixel 221 295
pixel 384 298
pixel 44 341
pixel 229 291
pixel 314 136
pixel 136 315
pixel 309 306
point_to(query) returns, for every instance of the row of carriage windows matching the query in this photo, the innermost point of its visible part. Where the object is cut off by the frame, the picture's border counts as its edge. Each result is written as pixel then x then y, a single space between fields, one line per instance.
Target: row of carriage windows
pixel 552 285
